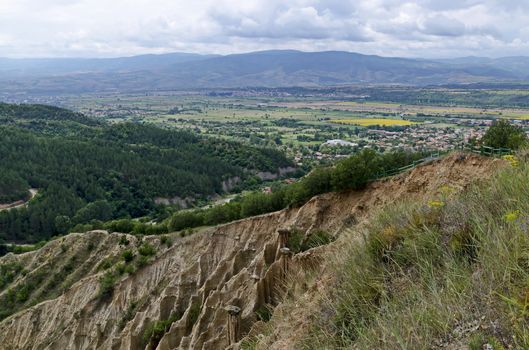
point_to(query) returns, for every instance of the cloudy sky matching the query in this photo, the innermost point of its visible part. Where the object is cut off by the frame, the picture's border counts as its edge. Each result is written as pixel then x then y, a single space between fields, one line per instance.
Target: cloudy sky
pixel 106 28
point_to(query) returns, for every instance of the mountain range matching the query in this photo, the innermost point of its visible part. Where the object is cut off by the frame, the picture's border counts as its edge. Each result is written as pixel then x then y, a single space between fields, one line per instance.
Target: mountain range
pixel 278 68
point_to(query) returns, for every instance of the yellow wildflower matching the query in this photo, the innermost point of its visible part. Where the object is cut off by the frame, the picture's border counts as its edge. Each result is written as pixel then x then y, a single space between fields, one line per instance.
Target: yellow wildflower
pixel 512 216
pixel 446 190
pixel 436 204
pixel 511 159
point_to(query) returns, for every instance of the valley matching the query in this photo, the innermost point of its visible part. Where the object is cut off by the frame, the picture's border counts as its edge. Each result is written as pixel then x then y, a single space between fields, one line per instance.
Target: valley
pixel 301 122
pixel 264 175
pixel 245 218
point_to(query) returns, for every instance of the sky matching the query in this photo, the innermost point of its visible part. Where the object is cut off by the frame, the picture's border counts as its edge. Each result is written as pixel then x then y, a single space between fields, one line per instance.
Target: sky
pixel 111 28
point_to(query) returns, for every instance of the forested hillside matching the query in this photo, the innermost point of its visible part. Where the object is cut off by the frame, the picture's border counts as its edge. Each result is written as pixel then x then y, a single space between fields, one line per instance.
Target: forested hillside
pixel 86 170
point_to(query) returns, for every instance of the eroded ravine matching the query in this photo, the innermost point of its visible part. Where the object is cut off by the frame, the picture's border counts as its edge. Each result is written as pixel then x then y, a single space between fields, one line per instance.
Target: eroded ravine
pixel 211 284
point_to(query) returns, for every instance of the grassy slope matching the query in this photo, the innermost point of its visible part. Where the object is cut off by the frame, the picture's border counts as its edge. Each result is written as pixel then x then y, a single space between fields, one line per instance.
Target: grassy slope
pixel 451 272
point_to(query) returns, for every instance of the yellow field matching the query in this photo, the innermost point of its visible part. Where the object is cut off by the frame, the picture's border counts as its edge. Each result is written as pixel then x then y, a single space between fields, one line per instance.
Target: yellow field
pixel 519 117
pixel 374 121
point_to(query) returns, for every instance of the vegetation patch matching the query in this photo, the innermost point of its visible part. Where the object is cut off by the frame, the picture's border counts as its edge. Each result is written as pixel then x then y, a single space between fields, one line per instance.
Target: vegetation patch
pixel 427 271
pixel 106 284
pixel 352 173
pixel 156 330
pixel 194 313
pixel 264 313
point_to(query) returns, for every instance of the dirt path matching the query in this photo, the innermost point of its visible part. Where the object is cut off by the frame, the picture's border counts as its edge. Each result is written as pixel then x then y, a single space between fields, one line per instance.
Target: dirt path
pixel 18 204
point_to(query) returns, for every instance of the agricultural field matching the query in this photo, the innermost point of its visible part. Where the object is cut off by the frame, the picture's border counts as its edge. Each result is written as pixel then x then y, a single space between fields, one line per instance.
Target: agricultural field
pixel 410 110
pixel 302 125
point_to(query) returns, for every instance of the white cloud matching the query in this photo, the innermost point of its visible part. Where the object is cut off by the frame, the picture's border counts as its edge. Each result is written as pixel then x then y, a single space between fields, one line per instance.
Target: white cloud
pixel 427 28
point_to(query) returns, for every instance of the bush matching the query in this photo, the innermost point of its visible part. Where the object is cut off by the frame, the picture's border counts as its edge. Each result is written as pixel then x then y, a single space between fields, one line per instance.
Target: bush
pixel 166 240
pixel 295 240
pixel 186 219
pixel 106 284
pixel 147 249
pixel 158 229
pixel 194 313
pixel 355 172
pixel 156 330
pixel 154 333
pixel 129 314
pixel 142 261
pixel 123 240
pixel 128 255
pixel 222 213
pixel 8 272
pixel 123 226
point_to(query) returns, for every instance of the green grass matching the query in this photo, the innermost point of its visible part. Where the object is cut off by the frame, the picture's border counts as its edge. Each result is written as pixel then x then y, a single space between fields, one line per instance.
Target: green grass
pixel 425 270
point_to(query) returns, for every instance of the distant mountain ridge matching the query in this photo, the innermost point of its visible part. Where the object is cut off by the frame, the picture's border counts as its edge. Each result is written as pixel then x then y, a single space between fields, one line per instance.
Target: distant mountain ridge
pixel 62 66
pixel 276 68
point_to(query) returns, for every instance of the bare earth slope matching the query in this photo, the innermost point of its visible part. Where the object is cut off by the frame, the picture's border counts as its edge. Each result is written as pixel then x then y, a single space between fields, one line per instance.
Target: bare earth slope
pixel 237 265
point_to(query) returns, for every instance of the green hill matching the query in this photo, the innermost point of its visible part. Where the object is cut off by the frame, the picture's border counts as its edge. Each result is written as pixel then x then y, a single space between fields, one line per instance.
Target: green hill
pixel 86 170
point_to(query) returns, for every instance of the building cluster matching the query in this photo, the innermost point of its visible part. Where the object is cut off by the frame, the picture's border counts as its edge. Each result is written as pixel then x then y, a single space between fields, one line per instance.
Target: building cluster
pixel 424 138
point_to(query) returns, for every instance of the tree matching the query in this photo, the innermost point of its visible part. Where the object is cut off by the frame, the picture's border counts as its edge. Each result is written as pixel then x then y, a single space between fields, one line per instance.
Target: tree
pixel 99 210
pixel 185 219
pixel 503 134
pixel 12 187
pixel 354 172
pixel 63 224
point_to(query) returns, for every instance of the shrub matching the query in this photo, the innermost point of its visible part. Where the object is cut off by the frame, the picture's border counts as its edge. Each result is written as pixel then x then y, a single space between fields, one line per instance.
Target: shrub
pixel 155 331
pixel 129 314
pixel 166 240
pixel 186 219
pixel 127 256
pixel 8 273
pixel 295 240
pixel 147 249
pixel 123 226
pixel 123 240
pixel 157 229
pixel 105 264
pixel 222 213
pixel 106 284
pixel 194 313
pixel 354 172
pixel 142 261
pixel 120 269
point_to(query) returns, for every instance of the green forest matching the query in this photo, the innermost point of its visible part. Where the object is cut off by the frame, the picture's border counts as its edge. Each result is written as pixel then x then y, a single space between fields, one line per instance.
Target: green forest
pixel 87 170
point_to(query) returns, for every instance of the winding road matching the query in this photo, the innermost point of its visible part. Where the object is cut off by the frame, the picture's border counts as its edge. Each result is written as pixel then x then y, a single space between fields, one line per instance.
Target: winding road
pixel 18 204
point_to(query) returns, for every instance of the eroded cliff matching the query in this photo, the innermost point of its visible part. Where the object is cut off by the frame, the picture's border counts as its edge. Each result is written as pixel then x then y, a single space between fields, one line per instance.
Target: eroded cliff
pixel 205 291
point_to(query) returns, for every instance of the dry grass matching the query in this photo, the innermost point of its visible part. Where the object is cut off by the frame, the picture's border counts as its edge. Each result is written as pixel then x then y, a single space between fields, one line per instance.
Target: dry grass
pixel 433 276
